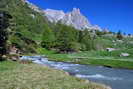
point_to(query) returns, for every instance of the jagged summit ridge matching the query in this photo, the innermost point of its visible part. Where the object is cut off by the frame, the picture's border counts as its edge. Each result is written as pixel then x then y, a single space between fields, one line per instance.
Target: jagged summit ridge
pixel 73 18
pixel 76 19
pixel 54 15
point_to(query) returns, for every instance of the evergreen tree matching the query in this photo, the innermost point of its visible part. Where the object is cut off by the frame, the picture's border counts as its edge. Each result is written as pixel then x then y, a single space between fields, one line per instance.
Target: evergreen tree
pixel 80 36
pixel 4 24
pixel 86 40
pixel 119 35
pixel 48 38
pixel 66 38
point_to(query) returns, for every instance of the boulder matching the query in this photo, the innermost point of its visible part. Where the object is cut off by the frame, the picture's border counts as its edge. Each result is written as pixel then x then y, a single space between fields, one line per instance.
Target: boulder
pixel 125 54
pixel 13 50
pixel 110 49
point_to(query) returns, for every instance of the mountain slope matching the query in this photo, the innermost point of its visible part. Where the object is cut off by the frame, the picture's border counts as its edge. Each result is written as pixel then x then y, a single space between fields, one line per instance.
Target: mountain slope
pixel 27 32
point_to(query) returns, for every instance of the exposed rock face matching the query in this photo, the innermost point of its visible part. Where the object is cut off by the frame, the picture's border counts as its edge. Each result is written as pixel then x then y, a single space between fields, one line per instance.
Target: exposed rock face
pixel 54 15
pixel 32 6
pixel 74 18
pixel 14 50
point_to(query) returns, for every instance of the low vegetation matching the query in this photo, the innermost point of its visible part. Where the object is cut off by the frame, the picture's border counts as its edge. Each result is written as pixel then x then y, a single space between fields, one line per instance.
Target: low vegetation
pixel 101 58
pixel 33 76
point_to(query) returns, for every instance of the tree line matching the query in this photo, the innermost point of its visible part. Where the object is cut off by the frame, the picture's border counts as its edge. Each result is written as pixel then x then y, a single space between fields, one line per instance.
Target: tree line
pixel 66 38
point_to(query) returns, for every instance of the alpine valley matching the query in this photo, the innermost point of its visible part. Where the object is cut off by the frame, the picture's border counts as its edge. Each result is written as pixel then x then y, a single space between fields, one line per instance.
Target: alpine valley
pixel 61 38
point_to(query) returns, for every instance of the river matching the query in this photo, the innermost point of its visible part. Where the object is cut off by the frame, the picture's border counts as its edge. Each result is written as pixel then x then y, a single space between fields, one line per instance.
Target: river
pixel 116 78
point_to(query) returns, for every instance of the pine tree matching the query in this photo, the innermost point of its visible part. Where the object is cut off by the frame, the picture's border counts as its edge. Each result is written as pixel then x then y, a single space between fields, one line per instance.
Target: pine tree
pixel 67 38
pixel 119 35
pixel 4 24
pixel 48 38
pixel 86 40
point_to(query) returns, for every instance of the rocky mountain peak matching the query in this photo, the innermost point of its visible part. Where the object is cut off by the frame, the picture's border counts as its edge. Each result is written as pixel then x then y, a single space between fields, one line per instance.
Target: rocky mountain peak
pixel 54 15
pixel 74 18
pixel 76 10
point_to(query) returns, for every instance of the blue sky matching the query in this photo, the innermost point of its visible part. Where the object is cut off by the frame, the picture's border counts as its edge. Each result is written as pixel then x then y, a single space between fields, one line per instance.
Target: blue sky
pixel 112 14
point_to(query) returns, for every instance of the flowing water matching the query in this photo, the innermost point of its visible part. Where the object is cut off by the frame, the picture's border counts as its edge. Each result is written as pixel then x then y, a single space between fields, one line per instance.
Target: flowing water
pixel 116 78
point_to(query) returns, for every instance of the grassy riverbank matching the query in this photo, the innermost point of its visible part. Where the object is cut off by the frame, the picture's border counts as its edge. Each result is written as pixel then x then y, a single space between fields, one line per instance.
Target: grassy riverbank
pixel 33 76
pixel 101 58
